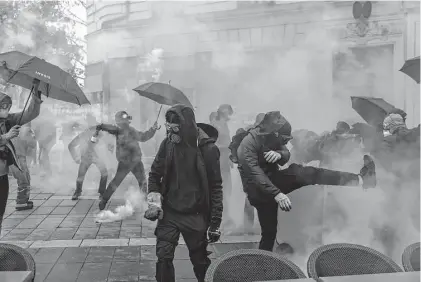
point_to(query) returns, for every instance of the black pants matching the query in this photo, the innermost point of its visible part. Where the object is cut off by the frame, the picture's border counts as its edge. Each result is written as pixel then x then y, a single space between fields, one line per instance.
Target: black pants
pixel 193 228
pixel 83 169
pixel 122 170
pixel 4 194
pixel 288 180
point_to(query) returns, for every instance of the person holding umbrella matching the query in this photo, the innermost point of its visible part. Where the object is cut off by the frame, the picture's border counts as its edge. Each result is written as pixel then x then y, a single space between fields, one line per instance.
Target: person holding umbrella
pixel 128 153
pixel 9 129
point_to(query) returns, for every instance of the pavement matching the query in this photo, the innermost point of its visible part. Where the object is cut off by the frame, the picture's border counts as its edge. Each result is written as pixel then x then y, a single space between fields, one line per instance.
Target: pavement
pixel 68 245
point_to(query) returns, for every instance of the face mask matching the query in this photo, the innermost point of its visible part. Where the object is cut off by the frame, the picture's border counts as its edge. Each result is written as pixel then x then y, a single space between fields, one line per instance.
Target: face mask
pixel 173 132
pixel 4 110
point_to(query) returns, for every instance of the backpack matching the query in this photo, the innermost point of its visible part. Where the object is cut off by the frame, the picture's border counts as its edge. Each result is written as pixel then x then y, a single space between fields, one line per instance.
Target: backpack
pixel 235 143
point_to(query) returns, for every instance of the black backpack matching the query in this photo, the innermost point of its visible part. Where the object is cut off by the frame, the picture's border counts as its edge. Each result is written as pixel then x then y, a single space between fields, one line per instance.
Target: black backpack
pixel 235 143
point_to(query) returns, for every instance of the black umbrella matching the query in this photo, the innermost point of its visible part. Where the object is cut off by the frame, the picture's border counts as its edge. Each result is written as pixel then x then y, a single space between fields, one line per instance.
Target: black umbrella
pixel 374 110
pixel 21 69
pixel 412 69
pixel 163 93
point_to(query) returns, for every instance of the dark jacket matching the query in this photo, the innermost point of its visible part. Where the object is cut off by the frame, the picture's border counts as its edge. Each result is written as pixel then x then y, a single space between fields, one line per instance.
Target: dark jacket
pixel 253 168
pixel 127 139
pixel 208 169
pixel 7 147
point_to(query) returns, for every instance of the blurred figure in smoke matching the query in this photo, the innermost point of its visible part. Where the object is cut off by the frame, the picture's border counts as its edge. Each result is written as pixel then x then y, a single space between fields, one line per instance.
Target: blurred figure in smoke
pixel 224 139
pixel 261 154
pixel 212 117
pixel 128 153
pixel 24 145
pixel 9 129
pixel 89 142
pixel 185 192
pixel 235 143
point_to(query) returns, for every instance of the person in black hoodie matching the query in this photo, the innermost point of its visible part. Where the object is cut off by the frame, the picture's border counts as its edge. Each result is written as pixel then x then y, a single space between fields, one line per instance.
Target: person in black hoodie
pixel 128 153
pixel 185 192
pixel 262 153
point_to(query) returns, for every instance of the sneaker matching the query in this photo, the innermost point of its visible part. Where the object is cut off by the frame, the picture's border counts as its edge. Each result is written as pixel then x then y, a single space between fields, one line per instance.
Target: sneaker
pixel 23 207
pixel 368 173
pixel 76 196
pixel 102 204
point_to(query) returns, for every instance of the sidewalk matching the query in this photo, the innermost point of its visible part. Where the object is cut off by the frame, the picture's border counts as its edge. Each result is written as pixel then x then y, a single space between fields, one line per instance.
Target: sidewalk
pixel 68 245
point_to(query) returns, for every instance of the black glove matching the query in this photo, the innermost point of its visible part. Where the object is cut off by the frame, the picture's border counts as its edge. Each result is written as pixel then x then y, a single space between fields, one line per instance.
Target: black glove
pixel 213 234
pixel 99 127
pixel 153 213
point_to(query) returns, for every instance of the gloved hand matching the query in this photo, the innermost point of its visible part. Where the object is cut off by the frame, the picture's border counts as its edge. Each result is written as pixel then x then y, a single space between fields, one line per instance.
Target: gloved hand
pixel 154 210
pixel 213 234
pixel 99 127
pixel 283 201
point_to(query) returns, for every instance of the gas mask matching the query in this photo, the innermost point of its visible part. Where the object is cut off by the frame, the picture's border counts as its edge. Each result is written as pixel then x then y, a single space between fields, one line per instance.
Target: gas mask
pixel 173 132
pixel 4 109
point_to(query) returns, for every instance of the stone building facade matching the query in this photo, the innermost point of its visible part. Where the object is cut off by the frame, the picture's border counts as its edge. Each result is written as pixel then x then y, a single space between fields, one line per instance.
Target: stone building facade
pixel 214 51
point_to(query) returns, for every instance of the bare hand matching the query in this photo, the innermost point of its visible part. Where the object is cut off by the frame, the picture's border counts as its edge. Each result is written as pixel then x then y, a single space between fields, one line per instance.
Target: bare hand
pixel 13 132
pixel 272 156
pixel 283 201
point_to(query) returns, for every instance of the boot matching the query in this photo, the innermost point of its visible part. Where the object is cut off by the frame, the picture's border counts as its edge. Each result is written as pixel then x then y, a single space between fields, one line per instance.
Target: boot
pixel 78 192
pixel 102 203
pixel 22 207
pixel 368 173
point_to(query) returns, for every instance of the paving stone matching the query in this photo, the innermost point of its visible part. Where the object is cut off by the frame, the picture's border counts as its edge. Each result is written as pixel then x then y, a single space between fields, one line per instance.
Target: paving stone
pixel 116 224
pixel 142 242
pixel 31 221
pixel 4 232
pixel 147 270
pixel 56 244
pixel 89 222
pixel 63 234
pixel 68 203
pixel 11 223
pixel 94 272
pixel 42 270
pixel 17 234
pixel 221 249
pixel 147 232
pixel 105 242
pixel 22 244
pixel 123 271
pixel 86 233
pixel 100 254
pixel 27 212
pixel 130 223
pixel 51 202
pixel 40 234
pixel 43 210
pixel 108 232
pixel 32 251
pixel 61 210
pixel 130 232
pixel 73 255
pixel 42 196
pixel 148 253
pixel 181 252
pixel 51 222
pixel 183 269
pixel 17 216
pixel 48 255
pixel 72 221
pixel 64 272
pixel 127 254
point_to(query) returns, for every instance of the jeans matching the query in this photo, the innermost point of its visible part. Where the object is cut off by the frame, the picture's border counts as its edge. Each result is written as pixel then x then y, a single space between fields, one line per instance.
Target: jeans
pixel 83 169
pixel 24 181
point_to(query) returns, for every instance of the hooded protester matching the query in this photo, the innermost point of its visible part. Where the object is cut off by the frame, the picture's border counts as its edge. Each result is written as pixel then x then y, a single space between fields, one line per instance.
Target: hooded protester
pixel 89 142
pixel 185 192
pixel 260 155
pixel 224 139
pixel 9 129
pixel 128 153
pixel 24 145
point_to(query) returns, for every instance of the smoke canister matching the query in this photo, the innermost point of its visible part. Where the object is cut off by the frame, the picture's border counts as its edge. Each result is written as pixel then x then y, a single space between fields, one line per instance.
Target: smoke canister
pixel 94 138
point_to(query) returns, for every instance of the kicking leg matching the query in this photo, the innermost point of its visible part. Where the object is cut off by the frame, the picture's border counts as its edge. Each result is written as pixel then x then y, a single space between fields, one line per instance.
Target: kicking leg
pixel 122 171
pixel 139 172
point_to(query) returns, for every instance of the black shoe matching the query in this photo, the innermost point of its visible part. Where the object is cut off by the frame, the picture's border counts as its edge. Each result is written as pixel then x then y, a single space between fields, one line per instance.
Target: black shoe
pixel 368 173
pixel 102 204
pixel 76 195
pixel 29 206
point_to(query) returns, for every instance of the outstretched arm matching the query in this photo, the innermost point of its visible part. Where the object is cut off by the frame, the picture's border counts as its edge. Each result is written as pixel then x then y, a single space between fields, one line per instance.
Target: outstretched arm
pixel 112 129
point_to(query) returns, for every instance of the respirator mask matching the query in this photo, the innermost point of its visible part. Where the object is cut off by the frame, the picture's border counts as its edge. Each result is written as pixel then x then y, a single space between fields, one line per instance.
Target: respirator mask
pixel 173 132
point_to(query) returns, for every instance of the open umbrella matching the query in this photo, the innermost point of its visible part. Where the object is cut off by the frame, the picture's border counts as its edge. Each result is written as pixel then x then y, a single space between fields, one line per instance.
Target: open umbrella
pixel 412 69
pixel 163 93
pixel 374 110
pixel 21 69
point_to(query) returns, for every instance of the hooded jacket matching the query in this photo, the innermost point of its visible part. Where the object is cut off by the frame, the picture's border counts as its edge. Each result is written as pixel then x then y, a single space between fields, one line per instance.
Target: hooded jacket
pixel 31 112
pixel 253 168
pixel 127 141
pixel 202 137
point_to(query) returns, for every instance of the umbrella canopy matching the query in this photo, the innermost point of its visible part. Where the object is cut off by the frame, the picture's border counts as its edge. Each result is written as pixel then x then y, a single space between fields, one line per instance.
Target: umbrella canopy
pixel 20 69
pixel 163 93
pixel 374 110
pixel 412 69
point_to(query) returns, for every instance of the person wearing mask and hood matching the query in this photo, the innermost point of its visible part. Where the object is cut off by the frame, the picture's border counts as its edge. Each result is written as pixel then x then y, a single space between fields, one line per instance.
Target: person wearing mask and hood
pixel 9 129
pixel 128 153
pixel 261 155
pixel 224 139
pixel 185 192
